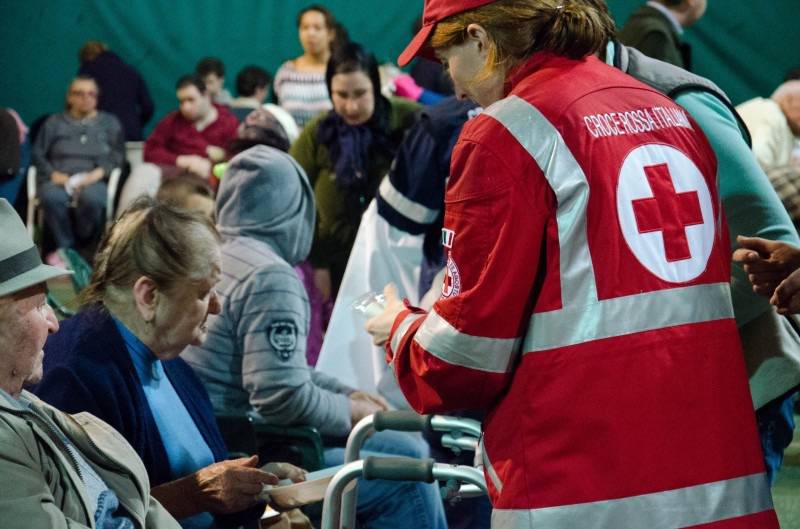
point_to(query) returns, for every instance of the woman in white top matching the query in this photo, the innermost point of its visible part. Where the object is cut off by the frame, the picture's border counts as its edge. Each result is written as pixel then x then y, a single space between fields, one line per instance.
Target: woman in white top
pixel 300 83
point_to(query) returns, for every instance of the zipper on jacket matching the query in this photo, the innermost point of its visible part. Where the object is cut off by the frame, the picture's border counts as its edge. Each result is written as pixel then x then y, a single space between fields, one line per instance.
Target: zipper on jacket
pixel 51 432
pixel 53 435
pixel 113 466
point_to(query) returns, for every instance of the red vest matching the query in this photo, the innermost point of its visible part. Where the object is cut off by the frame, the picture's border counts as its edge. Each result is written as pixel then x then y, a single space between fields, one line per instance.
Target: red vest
pixel 586 306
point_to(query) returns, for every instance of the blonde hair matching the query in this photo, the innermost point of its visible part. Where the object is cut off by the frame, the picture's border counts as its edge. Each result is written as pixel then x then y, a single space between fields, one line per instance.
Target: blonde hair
pixel 519 28
pixel 167 244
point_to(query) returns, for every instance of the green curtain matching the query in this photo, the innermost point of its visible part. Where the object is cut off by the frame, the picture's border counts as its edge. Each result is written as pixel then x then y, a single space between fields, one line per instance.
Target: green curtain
pixel 745 46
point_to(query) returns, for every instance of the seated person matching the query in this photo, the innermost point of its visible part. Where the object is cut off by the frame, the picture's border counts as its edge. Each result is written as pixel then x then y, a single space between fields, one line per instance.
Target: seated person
pixel 774 124
pixel 14 154
pixel 187 193
pixel 58 470
pixel 254 358
pixel 271 125
pixel 212 72
pixel 252 86
pixel 74 152
pixel 150 295
pixel 186 142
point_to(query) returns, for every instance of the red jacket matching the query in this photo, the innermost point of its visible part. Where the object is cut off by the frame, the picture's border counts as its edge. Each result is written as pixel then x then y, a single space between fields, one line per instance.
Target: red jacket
pixel 586 306
pixel 175 135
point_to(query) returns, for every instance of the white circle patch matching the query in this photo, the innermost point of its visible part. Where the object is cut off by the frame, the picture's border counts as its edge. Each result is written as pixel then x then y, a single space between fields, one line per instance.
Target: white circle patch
pixel 452 279
pixel 665 212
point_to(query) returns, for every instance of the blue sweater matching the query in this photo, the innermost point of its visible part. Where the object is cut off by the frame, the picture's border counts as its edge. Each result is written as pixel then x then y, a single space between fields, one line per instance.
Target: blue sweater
pixel 87 368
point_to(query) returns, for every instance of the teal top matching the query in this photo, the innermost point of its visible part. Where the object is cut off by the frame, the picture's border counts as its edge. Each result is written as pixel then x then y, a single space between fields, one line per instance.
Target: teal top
pixel 751 205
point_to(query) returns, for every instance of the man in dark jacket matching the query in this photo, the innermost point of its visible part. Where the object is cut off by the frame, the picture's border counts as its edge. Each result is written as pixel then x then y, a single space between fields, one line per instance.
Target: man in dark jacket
pixel 123 92
pixel 656 29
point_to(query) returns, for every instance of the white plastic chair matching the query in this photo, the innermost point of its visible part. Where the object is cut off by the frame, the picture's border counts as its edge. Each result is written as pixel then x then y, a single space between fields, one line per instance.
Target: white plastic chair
pixel 34 217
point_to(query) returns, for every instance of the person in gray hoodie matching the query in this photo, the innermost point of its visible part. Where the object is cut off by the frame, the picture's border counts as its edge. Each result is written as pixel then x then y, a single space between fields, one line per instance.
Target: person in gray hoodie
pixel 254 356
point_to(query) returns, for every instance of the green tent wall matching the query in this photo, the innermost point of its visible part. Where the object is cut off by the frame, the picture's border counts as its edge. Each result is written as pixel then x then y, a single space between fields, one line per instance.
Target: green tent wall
pixel 745 46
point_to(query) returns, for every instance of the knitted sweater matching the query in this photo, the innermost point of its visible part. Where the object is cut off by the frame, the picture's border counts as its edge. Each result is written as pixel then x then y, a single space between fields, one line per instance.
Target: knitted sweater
pixel 74 145
pixel 303 94
pixel 175 135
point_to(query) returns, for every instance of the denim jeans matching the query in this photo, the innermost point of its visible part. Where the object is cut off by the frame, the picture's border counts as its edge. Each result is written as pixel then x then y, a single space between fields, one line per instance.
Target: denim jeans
pixel 394 504
pixel 776 428
pixel 89 218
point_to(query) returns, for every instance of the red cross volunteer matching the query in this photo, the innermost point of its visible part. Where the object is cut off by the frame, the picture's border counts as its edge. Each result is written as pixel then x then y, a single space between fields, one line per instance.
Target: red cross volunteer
pixel 593 318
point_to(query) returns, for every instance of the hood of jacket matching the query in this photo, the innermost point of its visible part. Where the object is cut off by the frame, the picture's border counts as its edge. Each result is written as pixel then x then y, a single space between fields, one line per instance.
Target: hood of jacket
pixel 265 195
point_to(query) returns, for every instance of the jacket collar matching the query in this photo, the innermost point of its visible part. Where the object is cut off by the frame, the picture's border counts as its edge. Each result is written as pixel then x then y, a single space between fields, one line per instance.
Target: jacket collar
pixel 9 403
pixel 669 15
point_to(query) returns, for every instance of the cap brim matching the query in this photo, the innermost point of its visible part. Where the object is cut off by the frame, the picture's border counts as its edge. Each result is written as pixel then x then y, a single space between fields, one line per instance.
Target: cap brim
pixel 40 274
pixel 418 47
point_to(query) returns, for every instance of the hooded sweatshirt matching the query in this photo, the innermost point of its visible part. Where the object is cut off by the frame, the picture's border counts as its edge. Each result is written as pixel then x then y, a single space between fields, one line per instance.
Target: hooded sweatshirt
pixel 254 356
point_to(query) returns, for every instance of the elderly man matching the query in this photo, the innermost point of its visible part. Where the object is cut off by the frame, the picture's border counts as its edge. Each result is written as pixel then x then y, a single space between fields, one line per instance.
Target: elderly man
pixel 774 123
pixel 656 29
pixel 58 470
pixel 74 154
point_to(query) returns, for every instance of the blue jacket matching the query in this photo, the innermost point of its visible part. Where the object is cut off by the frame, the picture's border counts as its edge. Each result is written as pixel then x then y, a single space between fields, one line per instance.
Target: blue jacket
pixel 87 368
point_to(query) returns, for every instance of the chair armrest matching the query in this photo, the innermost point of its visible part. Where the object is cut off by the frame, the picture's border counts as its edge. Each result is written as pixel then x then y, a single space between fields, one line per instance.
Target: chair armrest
pixel 30 222
pixel 300 445
pixel 113 185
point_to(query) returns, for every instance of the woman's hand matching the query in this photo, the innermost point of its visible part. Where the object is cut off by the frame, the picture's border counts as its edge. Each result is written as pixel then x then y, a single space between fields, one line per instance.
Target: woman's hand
pixel 224 487
pixel 285 471
pixel 381 325
pixel 231 486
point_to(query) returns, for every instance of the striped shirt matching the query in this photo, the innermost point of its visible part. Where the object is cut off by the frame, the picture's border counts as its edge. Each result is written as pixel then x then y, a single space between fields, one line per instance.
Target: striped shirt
pixel 302 94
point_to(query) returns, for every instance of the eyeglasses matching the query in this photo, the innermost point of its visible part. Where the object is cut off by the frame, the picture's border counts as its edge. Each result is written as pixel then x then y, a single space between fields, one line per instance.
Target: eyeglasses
pixel 81 93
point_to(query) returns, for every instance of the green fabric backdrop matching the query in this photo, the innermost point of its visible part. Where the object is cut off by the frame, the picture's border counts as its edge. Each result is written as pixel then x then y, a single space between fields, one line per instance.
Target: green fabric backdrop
pixel 745 46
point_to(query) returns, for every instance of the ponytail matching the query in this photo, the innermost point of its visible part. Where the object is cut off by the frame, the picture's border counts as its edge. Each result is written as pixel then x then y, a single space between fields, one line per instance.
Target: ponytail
pixel 519 28
pixel 573 30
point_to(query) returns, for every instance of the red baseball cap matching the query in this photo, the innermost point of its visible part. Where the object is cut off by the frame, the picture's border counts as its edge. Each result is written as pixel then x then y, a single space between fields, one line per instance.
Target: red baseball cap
pixel 435 11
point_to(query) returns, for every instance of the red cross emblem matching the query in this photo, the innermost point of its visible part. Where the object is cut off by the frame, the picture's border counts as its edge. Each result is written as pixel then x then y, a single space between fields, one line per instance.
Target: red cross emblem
pixel 452 279
pixel 668 211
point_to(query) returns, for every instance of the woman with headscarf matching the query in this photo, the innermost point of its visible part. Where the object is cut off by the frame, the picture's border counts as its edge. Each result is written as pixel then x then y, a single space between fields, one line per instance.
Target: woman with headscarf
pixel 346 152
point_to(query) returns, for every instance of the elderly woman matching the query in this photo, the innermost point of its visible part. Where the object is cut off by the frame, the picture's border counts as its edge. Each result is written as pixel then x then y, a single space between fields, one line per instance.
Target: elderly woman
pixel 346 152
pixel 74 153
pixel 150 295
pixel 57 470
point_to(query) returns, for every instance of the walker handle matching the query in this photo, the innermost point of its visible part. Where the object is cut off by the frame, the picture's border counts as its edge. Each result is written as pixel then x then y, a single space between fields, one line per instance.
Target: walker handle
pixel 399 469
pixel 401 421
